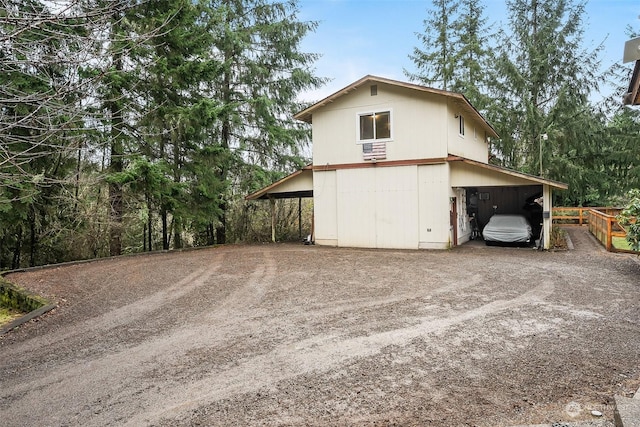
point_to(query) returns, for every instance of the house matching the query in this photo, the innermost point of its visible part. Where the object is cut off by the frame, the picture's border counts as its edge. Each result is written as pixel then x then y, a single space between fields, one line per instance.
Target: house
pixel 632 53
pixel 399 165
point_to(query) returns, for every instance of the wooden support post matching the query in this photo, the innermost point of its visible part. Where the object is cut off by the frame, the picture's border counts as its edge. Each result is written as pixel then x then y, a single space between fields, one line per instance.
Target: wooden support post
pixel 547 216
pixel 272 202
pixel 299 217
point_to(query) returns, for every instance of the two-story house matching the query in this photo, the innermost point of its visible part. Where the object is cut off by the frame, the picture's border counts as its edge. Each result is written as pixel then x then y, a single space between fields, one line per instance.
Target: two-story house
pixel 397 165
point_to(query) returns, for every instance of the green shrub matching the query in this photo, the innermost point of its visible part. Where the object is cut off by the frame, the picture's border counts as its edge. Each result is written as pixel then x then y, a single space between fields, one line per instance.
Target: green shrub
pixel 628 219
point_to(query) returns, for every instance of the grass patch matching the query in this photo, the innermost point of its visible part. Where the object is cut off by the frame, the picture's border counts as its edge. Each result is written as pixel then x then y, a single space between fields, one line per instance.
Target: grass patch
pixel 620 243
pixel 8 314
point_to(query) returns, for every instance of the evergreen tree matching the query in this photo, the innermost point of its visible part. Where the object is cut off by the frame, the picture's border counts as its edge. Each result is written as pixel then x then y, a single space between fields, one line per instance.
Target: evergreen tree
pixel 437 59
pixel 141 112
pixel 621 159
pixel 541 85
pixel 472 41
pixel 177 112
pixel 455 53
pixel 257 42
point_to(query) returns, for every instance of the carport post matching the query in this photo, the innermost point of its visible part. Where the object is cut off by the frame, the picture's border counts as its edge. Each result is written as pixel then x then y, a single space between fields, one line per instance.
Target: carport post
pixel 299 217
pixel 547 209
pixel 272 202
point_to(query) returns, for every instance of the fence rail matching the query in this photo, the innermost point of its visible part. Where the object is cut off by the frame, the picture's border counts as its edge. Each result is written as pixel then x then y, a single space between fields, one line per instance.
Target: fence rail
pixel 602 224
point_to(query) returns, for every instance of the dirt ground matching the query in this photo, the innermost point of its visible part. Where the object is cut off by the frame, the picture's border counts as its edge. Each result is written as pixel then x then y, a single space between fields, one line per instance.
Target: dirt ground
pixel 301 335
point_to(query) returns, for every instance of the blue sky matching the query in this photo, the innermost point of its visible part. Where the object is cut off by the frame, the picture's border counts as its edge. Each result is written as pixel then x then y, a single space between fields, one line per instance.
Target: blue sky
pixel 360 37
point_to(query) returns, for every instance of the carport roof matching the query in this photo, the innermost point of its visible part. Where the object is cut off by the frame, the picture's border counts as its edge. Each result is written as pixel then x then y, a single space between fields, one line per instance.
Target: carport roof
pixel 297 184
pixel 300 183
pixel 509 172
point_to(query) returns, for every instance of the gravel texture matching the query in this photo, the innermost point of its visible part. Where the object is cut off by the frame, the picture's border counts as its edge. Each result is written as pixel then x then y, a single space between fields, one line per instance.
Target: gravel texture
pixel 303 335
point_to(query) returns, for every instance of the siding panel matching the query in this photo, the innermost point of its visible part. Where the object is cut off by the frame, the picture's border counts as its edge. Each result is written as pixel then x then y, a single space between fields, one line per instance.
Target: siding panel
pixel 325 208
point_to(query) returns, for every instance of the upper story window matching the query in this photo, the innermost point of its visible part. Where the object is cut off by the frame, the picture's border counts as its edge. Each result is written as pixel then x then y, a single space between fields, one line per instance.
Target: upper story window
pixel 374 126
pixel 461 125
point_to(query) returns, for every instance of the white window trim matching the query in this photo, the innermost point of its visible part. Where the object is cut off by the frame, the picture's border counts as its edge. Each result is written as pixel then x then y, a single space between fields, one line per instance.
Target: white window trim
pixel 461 126
pixel 366 113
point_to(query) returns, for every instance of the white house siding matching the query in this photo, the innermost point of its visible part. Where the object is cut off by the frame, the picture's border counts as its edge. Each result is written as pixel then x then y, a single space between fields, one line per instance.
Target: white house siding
pixel 418 125
pixel 397 207
pixel 356 208
pixel 434 192
pixel 325 210
pixel 465 175
pixel 376 208
pixel 301 182
pixel 473 144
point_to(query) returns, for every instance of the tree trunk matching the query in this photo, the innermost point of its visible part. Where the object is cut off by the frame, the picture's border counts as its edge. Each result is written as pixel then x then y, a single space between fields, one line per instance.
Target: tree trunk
pixel 149 221
pixel 210 234
pixel 116 163
pixel 165 231
pixel 17 250
pixel 221 232
pixel 177 233
pixel 177 163
pixel 32 230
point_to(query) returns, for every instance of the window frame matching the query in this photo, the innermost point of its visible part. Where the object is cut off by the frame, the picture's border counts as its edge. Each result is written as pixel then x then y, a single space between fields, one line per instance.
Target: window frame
pixel 373 113
pixel 461 125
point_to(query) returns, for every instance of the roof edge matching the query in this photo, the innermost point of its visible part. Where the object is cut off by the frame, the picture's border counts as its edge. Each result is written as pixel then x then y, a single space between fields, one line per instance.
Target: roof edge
pixel 556 184
pixel 264 190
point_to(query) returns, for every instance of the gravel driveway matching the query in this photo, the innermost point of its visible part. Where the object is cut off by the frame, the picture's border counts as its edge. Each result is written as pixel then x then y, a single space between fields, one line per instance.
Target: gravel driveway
pixel 301 335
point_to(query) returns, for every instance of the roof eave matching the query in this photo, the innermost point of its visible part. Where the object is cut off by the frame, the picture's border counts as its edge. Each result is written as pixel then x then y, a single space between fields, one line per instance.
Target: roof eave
pixel 263 193
pixel 555 184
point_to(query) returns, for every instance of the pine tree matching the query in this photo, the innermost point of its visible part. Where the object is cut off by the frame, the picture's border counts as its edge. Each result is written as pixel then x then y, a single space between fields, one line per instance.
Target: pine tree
pixel 437 59
pixel 176 112
pixel 541 84
pixel 472 40
pixel 263 71
pixel 455 53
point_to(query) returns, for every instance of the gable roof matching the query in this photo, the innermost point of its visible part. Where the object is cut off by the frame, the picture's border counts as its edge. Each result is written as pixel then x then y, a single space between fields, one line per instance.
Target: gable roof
pixel 459 99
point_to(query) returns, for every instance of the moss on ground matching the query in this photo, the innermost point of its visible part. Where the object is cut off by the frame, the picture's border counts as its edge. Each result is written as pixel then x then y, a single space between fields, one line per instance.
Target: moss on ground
pixel 8 314
pixel 13 296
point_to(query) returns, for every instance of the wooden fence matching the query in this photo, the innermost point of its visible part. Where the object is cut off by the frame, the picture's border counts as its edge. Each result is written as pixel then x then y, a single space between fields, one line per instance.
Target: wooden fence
pixel 602 224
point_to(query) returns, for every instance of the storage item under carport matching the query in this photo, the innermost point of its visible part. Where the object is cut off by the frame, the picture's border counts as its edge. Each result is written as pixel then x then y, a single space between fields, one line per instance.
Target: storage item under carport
pixel 507 229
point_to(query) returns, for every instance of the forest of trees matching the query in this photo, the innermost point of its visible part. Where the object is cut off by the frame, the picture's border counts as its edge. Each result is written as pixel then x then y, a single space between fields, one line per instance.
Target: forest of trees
pixel 139 125
pixel 534 79
pixel 128 126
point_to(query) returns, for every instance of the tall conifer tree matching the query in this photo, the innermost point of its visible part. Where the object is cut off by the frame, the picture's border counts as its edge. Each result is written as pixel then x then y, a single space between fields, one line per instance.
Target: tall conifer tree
pixel 437 58
pixel 541 83
pixel 263 71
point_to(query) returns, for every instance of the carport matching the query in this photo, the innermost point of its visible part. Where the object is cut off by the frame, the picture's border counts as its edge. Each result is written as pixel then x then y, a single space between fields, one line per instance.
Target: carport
pixel 505 191
pixel 498 190
pixel 297 185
